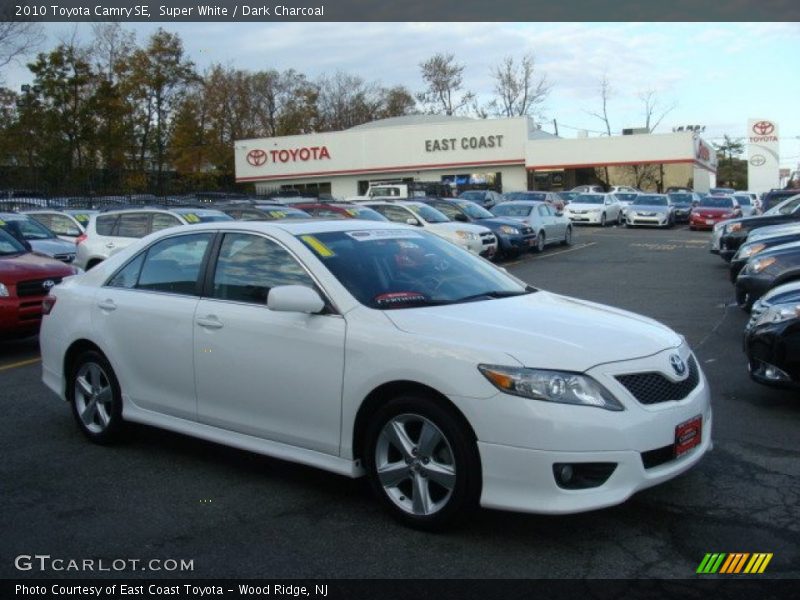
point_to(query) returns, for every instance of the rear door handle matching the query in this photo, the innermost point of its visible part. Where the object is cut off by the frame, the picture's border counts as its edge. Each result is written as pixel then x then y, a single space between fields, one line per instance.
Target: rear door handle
pixel 209 322
pixel 107 305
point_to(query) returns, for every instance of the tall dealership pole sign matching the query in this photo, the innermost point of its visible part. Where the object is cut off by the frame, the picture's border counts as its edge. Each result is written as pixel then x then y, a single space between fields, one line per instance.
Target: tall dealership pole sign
pixel 763 155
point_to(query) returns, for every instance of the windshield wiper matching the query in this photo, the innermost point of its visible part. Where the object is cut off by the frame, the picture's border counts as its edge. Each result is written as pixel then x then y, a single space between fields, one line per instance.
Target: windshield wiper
pixel 494 294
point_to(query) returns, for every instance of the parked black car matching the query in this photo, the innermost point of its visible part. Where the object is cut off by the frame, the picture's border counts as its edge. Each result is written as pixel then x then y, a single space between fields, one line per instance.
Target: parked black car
pixel 757 243
pixel 766 270
pixel 735 231
pixel 683 203
pixel 512 236
pixel 781 294
pixel 772 345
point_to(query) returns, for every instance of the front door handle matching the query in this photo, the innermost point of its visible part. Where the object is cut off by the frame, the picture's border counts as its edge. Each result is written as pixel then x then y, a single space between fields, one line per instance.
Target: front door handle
pixel 209 322
pixel 107 305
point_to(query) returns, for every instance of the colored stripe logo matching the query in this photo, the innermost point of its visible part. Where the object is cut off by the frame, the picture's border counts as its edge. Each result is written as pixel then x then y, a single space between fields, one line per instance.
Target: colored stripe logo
pixel 734 563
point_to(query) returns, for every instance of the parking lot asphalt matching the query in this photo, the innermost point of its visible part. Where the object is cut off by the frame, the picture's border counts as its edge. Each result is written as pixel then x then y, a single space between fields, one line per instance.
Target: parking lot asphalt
pixel 235 514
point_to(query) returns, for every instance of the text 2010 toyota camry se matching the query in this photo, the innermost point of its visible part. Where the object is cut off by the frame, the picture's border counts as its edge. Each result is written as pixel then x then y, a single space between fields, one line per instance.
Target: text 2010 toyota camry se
pixel 378 349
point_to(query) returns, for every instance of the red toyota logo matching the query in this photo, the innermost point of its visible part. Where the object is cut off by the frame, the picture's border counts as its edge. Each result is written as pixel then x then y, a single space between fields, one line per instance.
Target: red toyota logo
pixel 256 157
pixel 763 128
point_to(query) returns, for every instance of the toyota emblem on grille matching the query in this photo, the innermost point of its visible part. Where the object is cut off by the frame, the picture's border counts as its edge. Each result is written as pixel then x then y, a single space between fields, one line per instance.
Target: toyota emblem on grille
pixel 48 284
pixel 677 364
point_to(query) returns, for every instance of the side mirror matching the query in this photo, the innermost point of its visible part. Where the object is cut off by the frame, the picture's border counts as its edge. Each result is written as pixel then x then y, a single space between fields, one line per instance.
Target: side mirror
pixel 412 221
pixel 295 298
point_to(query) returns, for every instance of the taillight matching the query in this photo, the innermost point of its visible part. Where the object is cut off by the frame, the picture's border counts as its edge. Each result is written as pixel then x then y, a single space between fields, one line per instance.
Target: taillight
pixel 48 302
pixel 80 239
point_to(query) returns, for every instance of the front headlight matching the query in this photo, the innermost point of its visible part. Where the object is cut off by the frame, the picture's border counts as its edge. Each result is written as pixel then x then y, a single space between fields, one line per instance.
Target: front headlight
pixel 467 235
pixel 552 386
pixel 779 313
pixel 508 230
pixel 760 264
pixel 733 227
pixel 747 251
pixel 4 291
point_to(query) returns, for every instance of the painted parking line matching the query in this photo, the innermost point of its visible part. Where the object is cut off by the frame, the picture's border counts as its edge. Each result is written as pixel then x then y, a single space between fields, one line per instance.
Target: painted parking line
pixel 22 363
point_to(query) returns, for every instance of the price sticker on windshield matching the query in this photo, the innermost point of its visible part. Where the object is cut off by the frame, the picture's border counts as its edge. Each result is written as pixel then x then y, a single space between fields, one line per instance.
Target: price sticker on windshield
pixel 277 214
pixel 191 218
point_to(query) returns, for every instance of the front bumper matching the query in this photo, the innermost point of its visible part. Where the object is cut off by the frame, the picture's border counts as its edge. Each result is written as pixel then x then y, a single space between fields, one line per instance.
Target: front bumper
pixel 657 220
pixel 516 242
pixel 521 440
pixel 590 218
pixel 20 317
pixel 773 354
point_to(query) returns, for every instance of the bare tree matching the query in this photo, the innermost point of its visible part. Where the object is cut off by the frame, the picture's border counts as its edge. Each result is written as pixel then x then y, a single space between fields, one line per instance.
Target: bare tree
pixel 444 78
pixel 17 39
pixel 518 92
pixel 654 112
pixel 112 47
pixel 605 95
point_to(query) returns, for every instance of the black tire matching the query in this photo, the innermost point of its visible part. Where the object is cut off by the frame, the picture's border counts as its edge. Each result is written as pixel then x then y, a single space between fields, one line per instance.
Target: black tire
pixel 603 220
pixel 460 452
pixel 567 241
pixel 744 300
pixel 620 220
pixel 541 242
pixel 104 425
pixel 628 225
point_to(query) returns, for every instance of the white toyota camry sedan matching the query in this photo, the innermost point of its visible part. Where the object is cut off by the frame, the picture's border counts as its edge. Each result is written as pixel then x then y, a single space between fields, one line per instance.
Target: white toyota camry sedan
pixel 378 349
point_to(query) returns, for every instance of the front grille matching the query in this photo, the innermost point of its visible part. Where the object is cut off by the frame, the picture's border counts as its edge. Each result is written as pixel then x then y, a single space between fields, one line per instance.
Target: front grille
pixel 653 388
pixel 526 230
pixel 35 287
pixel 487 239
pixel 659 456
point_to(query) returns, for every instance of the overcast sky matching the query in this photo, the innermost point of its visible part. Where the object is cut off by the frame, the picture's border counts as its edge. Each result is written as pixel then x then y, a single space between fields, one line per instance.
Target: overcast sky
pixel 717 74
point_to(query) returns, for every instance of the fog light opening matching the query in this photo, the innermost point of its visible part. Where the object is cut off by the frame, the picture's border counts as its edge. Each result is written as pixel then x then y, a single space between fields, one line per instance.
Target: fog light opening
pixel 579 476
pixel 769 372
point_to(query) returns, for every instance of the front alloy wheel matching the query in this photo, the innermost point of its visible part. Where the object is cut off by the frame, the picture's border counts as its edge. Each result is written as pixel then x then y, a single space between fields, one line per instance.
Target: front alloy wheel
pixel 422 463
pixel 96 400
pixel 540 242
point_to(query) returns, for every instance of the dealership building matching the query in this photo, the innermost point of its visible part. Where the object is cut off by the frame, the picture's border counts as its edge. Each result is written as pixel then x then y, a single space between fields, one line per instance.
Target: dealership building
pixel 502 154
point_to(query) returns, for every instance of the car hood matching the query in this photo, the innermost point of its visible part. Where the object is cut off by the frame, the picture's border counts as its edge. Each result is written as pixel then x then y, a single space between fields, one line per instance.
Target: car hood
pixel 498 222
pixel 542 330
pixel 53 246
pixel 582 206
pixel 647 208
pixel 716 212
pixel 781 249
pixel 787 292
pixel 773 231
pixel 451 228
pixel 22 267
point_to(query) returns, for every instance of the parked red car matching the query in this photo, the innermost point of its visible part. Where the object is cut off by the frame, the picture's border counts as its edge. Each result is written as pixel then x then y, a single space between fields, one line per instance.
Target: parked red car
pixel 713 209
pixel 341 210
pixel 25 279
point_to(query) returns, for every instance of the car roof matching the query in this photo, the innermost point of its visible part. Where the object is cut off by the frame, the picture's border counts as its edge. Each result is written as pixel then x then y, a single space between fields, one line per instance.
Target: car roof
pixel 521 203
pixel 300 226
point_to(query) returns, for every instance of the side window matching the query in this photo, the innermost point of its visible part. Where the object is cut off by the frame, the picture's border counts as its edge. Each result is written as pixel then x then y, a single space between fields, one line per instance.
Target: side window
pixel 63 225
pixel 394 213
pixel 173 265
pixel 128 275
pixel 46 220
pixel 543 210
pixel 105 224
pixel 450 211
pixel 249 265
pixel 133 225
pixel 162 221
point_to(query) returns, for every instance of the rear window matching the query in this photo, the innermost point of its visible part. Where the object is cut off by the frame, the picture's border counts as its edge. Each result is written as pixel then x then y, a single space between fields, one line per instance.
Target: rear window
pixel 133 225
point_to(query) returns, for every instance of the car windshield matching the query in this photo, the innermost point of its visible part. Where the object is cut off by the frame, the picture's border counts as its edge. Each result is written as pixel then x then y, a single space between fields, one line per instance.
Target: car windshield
pixel 362 212
pixel 474 196
pixel 589 199
pixel 9 245
pixel 428 213
pixel 742 199
pixel 717 202
pixel 284 212
pixel 204 216
pixel 512 210
pixel 626 196
pixel 27 229
pixel 650 200
pixel 404 268
pixel 681 199
pixel 474 211
pixel 530 196
pixel 786 207
pixel 82 217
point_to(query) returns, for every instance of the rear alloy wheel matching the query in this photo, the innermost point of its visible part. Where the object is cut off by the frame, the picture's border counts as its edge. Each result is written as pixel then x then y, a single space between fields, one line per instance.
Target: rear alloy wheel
pixel 94 393
pixel 422 463
pixel 540 242
pixel 567 237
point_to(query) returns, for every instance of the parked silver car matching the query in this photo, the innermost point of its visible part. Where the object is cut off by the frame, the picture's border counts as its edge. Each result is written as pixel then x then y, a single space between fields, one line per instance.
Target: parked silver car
pixel 37 236
pixel 655 210
pixel 551 227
